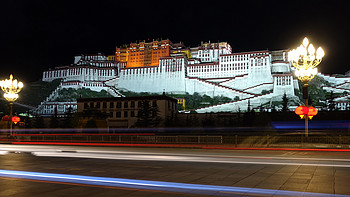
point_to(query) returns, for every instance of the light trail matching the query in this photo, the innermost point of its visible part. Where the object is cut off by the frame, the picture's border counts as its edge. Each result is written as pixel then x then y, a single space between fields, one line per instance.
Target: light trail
pixel 39 149
pixel 157 185
pixel 76 152
pixel 177 146
pixel 212 159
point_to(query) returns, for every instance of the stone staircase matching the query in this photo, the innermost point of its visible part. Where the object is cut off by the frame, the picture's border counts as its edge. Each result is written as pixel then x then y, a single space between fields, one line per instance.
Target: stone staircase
pixel 112 84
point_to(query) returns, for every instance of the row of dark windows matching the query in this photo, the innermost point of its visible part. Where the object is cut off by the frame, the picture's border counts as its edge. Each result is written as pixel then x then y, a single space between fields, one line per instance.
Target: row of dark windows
pixel 126 114
pixel 117 105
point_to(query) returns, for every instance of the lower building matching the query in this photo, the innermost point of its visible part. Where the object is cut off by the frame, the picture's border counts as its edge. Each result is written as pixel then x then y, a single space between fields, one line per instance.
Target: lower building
pixel 124 112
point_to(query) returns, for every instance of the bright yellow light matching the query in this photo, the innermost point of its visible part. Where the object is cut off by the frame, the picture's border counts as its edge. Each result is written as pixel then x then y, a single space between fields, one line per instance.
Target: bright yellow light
pixel 305 60
pixel 9 96
pixel 305 42
pixel 319 53
pixel 11 88
pixel 311 49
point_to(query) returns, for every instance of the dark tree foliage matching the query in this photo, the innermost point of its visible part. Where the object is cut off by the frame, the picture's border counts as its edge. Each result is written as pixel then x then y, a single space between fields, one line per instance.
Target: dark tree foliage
pixel 148 115
pixel 248 107
pixel 39 122
pixel 192 101
pixel 91 123
pixel 331 103
pixel 209 121
pixel 248 118
pixel 35 92
pixel 54 122
pixel 71 94
pixel 284 103
pixel 68 119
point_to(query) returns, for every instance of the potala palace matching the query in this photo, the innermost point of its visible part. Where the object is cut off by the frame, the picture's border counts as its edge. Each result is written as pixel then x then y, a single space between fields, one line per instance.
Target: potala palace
pixel 213 69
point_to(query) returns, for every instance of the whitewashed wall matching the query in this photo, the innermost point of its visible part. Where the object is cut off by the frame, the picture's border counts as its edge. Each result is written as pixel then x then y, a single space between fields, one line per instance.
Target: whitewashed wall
pixel 169 76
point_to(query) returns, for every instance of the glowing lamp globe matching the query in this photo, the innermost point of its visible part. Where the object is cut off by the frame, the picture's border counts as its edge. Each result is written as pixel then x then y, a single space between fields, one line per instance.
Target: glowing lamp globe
pixel 15 119
pixel 312 112
pixel 301 111
pixel 6 118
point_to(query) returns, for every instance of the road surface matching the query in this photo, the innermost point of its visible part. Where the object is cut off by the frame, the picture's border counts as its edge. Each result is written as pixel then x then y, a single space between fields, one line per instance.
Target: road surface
pixel 28 170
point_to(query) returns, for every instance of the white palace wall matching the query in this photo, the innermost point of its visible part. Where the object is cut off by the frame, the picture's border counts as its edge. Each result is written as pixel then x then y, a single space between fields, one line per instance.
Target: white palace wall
pixel 238 75
pixel 241 105
pixel 211 89
pixel 237 82
pixel 80 73
pixel 283 83
pixel 259 70
pixel 169 76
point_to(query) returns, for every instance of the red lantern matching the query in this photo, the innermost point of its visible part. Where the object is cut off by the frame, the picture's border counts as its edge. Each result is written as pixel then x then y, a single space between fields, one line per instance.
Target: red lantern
pixel 312 112
pixel 15 119
pixel 301 111
pixel 6 118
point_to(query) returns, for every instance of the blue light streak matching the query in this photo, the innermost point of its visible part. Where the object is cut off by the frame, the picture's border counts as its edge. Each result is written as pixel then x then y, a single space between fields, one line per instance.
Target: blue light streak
pixel 156 185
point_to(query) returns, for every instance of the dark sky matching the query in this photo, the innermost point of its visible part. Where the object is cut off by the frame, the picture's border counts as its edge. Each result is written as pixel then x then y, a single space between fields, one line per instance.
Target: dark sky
pixel 37 35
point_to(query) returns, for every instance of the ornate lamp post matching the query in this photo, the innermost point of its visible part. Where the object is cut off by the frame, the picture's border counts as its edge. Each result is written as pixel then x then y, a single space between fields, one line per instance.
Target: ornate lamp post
pixel 11 88
pixel 305 59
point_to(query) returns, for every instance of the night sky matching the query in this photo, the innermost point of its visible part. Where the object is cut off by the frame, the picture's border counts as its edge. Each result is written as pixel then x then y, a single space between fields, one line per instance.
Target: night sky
pixel 38 35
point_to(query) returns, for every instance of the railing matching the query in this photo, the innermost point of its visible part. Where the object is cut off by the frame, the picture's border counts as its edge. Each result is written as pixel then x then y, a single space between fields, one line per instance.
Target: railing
pixel 119 138
pixel 269 141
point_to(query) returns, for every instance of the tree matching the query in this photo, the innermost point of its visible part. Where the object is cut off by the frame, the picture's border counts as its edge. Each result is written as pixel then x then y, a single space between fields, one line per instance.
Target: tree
pixel 148 115
pixel 68 120
pixel 39 122
pixel 208 121
pixel 54 120
pixel 284 103
pixel 261 108
pixel 331 103
pixel 91 123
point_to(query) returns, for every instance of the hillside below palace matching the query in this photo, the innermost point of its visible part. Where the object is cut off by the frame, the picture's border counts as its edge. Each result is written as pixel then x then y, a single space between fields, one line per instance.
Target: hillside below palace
pixel 259 77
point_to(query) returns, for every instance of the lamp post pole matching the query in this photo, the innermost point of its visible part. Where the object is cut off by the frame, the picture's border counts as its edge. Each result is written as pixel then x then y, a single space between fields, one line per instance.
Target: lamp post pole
pixel 11 87
pixel 306 97
pixel 11 114
pixel 305 59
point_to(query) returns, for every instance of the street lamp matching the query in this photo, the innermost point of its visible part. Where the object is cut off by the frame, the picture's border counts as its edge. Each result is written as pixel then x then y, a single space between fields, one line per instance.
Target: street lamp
pixel 305 59
pixel 11 88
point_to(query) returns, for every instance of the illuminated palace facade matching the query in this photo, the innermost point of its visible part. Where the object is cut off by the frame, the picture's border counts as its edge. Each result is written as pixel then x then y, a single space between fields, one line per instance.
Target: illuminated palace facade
pixel 210 69
pixel 259 77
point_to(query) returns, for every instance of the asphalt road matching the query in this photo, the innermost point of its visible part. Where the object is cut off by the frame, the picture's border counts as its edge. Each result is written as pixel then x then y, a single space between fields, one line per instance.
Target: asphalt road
pixel 118 171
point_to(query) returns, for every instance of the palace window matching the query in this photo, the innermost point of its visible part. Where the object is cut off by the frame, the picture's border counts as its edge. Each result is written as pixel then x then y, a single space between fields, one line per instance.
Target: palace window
pixel 86 106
